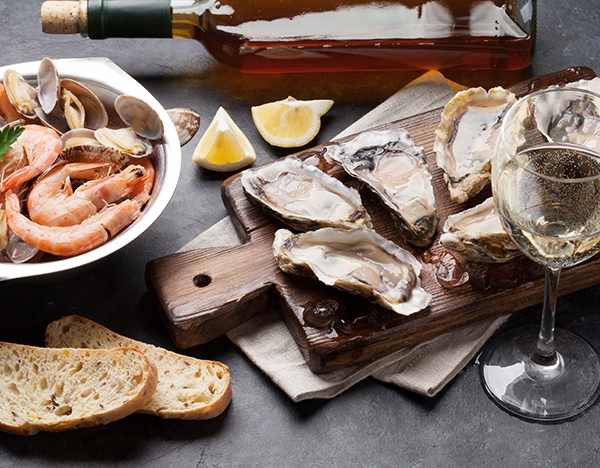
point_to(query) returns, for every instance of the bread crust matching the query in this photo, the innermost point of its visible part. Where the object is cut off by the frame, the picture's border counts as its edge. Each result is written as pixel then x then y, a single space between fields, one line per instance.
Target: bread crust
pixel 59 389
pixel 188 388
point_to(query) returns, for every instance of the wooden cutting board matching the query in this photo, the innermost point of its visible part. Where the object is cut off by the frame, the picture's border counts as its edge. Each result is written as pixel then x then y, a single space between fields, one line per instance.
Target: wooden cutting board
pixel 205 293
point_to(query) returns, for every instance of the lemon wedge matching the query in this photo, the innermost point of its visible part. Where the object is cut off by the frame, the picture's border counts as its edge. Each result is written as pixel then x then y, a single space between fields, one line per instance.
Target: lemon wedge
pixel 290 123
pixel 223 147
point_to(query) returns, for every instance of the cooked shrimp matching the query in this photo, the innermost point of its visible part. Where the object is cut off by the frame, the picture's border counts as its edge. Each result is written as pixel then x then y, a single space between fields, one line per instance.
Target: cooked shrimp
pixel 145 186
pixel 52 201
pixel 41 146
pixel 71 240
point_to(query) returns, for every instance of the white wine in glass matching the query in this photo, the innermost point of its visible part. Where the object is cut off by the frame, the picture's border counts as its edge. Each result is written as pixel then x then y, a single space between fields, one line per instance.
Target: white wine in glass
pixel 546 186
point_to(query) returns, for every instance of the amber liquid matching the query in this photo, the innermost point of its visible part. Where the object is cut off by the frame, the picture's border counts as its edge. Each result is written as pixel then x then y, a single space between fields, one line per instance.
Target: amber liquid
pixel 337 39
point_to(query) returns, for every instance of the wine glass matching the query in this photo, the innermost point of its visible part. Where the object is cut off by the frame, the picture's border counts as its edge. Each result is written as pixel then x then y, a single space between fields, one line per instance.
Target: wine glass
pixel 546 186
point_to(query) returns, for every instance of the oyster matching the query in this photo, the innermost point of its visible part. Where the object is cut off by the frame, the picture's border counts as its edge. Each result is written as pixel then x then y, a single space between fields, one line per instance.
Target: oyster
pixel 303 196
pixel 578 120
pixel 466 137
pixel 477 235
pixel 395 169
pixel 358 261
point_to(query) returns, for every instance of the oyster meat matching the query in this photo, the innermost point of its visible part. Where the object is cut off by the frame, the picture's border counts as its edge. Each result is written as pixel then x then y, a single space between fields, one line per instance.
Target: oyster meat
pixel 303 196
pixel 358 261
pixel 466 137
pixel 578 120
pixel 394 168
pixel 477 235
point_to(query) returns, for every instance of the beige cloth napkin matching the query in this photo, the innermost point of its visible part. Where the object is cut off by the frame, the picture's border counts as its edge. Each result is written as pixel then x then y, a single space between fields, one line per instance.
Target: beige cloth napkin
pixel 424 368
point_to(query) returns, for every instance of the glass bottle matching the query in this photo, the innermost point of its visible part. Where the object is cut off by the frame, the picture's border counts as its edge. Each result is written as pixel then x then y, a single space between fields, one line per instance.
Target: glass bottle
pixel 271 36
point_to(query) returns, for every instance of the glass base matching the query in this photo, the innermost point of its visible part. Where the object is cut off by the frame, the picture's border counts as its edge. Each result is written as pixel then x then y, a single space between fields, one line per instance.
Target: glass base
pixel 552 392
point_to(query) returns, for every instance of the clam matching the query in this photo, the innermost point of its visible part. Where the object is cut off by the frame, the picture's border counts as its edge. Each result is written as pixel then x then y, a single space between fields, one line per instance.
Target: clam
pixel 80 145
pixel 21 94
pixel 19 251
pixel 48 90
pixel 186 121
pixel 125 140
pixel 140 116
pixel 358 261
pixel 3 231
pixel 81 107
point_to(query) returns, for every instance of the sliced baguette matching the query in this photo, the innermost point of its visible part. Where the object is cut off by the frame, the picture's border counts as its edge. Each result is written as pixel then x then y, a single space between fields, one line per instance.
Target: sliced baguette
pixel 53 390
pixel 188 388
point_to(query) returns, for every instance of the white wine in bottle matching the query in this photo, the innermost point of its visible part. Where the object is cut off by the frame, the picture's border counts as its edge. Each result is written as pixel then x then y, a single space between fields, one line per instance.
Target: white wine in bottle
pixel 273 36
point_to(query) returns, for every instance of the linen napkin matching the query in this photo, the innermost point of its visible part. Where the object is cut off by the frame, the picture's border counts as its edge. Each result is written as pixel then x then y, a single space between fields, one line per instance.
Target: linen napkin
pixel 424 368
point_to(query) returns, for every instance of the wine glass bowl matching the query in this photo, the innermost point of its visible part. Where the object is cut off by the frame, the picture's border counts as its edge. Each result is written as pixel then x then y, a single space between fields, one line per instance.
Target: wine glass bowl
pixel 546 186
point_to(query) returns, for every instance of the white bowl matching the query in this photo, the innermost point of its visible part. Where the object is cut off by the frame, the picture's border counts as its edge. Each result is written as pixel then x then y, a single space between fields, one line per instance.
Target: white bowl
pixel 108 81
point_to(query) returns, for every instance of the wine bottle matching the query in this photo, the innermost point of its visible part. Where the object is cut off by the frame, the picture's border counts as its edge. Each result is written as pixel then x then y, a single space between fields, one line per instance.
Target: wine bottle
pixel 272 36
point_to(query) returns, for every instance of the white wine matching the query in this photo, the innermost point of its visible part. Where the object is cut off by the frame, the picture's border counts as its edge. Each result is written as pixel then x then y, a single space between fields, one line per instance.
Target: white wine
pixel 554 217
pixel 273 36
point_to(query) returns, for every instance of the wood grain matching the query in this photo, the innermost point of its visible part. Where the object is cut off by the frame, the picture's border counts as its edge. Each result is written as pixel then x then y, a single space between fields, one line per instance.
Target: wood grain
pixel 203 294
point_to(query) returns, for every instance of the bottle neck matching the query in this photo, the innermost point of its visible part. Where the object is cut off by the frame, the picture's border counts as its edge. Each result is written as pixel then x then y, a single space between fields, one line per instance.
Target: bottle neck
pixel 101 19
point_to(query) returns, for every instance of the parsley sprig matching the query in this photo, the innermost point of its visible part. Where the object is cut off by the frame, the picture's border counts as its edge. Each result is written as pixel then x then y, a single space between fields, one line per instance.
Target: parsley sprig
pixel 8 135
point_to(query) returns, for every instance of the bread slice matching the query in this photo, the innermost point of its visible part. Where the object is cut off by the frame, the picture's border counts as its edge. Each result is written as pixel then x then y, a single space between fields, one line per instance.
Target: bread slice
pixel 188 388
pixel 53 390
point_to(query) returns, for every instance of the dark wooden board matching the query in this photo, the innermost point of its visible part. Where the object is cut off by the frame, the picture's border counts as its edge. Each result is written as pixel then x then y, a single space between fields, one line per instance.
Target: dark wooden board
pixel 203 294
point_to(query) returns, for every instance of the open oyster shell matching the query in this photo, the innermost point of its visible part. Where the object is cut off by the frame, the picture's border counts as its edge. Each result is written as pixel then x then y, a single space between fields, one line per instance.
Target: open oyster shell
pixel 578 120
pixel 395 169
pixel 477 235
pixel 303 196
pixel 466 137
pixel 358 261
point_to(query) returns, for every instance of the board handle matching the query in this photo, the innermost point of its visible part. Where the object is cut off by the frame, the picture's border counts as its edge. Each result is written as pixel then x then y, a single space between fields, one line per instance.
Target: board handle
pixel 203 294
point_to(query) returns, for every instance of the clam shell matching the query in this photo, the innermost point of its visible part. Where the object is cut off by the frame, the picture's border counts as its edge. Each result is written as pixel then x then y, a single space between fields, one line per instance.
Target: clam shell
pixel 95 112
pixel 186 121
pixel 48 86
pixel 20 94
pixel 80 145
pixel 140 116
pixel 125 140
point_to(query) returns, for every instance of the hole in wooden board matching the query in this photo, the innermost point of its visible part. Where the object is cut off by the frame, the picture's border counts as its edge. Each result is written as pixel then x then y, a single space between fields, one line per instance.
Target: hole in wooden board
pixel 202 280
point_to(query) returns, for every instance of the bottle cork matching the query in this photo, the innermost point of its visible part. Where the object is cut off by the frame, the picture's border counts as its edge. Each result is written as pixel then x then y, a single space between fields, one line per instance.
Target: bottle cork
pixel 60 17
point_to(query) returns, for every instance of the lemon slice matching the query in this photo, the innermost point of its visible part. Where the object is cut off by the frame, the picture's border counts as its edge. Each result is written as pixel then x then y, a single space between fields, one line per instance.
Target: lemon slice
pixel 290 122
pixel 223 147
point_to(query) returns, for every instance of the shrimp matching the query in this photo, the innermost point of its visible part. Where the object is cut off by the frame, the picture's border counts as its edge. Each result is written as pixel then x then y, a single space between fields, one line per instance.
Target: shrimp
pixel 52 201
pixel 71 240
pixel 41 146
pixel 145 186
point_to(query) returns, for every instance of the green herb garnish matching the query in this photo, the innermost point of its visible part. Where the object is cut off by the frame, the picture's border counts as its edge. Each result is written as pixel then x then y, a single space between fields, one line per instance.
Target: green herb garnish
pixel 8 135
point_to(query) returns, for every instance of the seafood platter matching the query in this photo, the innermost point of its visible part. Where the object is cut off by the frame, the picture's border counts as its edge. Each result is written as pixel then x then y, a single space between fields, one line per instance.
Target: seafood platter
pixel 95 164
pixel 453 265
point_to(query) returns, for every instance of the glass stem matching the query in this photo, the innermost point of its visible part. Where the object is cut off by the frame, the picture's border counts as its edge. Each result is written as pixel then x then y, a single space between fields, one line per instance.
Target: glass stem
pixel 545 352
